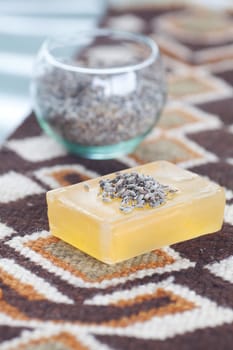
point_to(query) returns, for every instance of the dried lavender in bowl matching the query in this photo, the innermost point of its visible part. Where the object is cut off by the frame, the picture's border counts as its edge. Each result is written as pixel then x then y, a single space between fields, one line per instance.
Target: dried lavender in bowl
pixel 96 110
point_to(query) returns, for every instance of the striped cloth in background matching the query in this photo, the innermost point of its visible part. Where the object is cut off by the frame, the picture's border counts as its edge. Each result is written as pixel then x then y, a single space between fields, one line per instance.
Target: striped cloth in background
pixel 24 24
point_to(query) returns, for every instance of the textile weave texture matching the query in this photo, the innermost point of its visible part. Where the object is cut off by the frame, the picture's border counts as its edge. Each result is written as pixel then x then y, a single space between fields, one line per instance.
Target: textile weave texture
pixel 53 296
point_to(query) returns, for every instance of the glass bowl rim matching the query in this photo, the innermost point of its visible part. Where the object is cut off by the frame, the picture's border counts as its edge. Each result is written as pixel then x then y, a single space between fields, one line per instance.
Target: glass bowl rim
pixel 143 39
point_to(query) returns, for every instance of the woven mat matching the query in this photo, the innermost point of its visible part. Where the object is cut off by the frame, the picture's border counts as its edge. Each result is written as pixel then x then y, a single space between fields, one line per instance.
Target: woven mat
pixel 55 297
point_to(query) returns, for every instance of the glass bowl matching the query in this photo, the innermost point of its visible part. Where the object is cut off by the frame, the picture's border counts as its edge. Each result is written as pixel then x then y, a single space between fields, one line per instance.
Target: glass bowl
pixel 98 92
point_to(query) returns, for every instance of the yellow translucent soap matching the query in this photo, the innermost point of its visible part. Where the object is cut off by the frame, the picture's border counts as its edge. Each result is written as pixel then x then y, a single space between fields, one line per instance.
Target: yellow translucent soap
pixel 78 215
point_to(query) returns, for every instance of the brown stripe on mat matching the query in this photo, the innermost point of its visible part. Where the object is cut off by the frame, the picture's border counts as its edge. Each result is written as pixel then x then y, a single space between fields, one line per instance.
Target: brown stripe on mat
pixel 6 307
pixel 226 75
pixel 221 172
pixel 149 305
pixel 8 333
pixel 218 338
pixel 209 248
pixel 75 293
pixel 26 215
pixel 162 304
pixel 20 287
pixel 221 107
pixel 100 166
pixel 212 140
pixel 206 284
pixel 27 129
pixel 10 161
pixel 198 47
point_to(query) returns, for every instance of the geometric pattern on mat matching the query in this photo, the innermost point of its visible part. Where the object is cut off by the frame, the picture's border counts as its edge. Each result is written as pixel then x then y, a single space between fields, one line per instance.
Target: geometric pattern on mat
pixel 63 175
pixel 15 186
pixel 178 115
pixel 196 35
pixel 196 85
pixel 36 148
pixel 197 25
pixel 169 139
pixel 174 148
pixel 29 285
pixel 80 270
pixel 53 296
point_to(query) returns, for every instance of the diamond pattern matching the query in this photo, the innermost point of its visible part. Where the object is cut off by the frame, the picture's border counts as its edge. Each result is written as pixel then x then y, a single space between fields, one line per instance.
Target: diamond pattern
pixel 211 140
pixel 196 36
pixel 195 86
pixel 164 147
pixel 15 186
pixel 37 148
pixel 174 118
pixel 79 269
pixel 197 26
pixel 63 175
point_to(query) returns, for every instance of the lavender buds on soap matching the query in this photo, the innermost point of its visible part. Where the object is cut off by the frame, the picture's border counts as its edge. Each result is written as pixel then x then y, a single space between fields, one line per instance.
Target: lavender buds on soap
pixel 135 191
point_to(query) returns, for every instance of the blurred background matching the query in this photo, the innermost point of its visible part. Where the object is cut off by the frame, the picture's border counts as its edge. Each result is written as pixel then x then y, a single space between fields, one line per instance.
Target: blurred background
pixel 24 24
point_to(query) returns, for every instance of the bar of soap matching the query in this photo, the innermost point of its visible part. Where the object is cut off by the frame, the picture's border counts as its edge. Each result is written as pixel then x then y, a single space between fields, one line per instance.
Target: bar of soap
pixel 78 215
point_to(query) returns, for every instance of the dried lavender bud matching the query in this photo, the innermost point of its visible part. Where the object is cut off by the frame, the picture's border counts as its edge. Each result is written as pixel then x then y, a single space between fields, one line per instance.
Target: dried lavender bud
pixel 126 209
pixel 86 187
pixel 135 191
pixel 105 199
